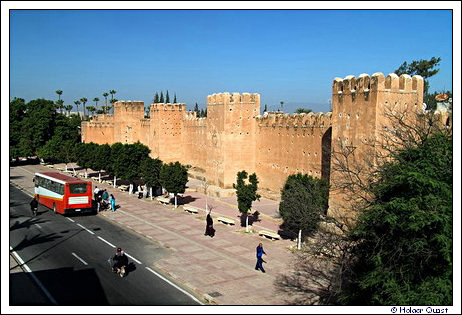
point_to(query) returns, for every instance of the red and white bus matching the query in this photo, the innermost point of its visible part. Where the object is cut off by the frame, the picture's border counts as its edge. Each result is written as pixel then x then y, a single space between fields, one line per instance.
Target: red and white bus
pixel 63 194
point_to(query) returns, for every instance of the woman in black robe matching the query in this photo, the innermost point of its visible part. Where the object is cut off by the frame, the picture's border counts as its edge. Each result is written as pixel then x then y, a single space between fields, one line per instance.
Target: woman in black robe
pixel 209 230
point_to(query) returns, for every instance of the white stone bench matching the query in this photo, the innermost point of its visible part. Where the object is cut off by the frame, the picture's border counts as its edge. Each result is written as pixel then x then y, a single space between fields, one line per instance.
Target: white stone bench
pixel 269 234
pixel 163 200
pixel 50 165
pixel 191 209
pixel 123 187
pixel 226 221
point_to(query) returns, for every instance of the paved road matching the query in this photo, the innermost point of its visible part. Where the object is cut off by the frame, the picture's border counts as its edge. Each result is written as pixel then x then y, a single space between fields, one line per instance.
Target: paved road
pixel 69 257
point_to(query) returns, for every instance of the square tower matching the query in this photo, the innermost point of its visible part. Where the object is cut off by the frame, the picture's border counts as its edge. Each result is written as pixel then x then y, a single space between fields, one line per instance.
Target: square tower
pixel 231 129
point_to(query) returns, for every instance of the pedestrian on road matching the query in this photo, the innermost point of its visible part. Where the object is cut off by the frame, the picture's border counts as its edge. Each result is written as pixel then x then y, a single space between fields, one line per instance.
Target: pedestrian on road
pixel 260 260
pixel 112 200
pixel 209 230
pixel 34 205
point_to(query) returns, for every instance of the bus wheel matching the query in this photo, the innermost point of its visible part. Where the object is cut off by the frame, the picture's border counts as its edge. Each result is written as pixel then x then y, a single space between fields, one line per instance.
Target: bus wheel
pixel 54 208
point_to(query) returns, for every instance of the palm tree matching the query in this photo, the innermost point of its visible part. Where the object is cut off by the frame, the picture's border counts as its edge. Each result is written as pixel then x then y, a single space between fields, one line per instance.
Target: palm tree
pixel 60 105
pixel 282 105
pixel 68 108
pixel 84 101
pixel 59 92
pixel 112 92
pixel 96 100
pixel 105 94
pixel 77 103
pixel 91 109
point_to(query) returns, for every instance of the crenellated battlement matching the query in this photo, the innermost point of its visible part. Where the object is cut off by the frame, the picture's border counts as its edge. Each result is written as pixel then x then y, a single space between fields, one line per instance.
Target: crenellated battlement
pixel 377 82
pixel 232 98
pixel 168 107
pixel 136 105
pixel 273 119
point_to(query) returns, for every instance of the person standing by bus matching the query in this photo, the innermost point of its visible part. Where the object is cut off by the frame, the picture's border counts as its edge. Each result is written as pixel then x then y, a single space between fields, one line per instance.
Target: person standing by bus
pixel 112 201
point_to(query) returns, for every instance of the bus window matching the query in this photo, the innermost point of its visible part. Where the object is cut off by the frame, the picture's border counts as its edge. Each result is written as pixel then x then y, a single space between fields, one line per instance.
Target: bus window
pixel 78 188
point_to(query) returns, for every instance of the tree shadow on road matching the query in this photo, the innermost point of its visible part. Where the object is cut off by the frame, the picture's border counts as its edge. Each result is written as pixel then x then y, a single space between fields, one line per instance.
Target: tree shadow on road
pixel 36 239
pixel 26 224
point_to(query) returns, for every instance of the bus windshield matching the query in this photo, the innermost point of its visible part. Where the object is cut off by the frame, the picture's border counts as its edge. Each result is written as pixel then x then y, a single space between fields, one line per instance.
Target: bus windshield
pixel 78 188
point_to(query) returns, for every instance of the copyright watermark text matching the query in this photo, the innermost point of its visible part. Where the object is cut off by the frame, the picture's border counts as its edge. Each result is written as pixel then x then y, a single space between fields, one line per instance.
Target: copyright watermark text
pixel 419 310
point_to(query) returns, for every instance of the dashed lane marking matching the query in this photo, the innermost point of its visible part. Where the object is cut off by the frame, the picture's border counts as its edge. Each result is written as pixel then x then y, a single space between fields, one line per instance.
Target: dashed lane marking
pixel 106 241
pixel 174 285
pixel 83 261
pixel 91 232
pixel 28 270
pixel 70 219
pixel 139 262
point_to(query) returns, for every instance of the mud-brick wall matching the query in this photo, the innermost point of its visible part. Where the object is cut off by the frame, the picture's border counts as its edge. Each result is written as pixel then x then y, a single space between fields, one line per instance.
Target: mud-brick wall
pixel 290 144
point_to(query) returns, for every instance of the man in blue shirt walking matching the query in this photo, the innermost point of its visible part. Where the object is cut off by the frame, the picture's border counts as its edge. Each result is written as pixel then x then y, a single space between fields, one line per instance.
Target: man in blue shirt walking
pixel 260 260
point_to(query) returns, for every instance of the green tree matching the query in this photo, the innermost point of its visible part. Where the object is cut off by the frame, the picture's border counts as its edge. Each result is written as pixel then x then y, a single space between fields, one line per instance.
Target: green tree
pixel 37 126
pixel 265 109
pixel 84 155
pixel 68 108
pixel 196 109
pixel 96 100
pixel 127 162
pixel 303 200
pixel 150 172
pixel 161 99
pixel 424 68
pixel 77 104
pixel 105 94
pixel 303 110
pixel 17 116
pixel 167 98
pixel 282 106
pixel 202 114
pixel 246 194
pixel 59 102
pixel 174 99
pixel 60 105
pixel 84 101
pixel 403 240
pixel 113 100
pixel 173 177
pixel 156 98
pixel 116 151
pixel 102 158
pixel 91 109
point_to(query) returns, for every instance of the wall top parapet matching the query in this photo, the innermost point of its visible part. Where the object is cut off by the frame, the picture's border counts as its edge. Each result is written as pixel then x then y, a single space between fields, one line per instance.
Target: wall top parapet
pixel 168 106
pixel 232 98
pixel 129 103
pixel 378 82
pixel 295 120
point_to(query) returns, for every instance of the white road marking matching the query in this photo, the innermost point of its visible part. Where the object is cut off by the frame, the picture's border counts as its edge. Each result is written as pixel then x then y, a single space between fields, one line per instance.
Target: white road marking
pixel 83 261
pixel 86 229
pixel 174 285
pixel 70 219
pixel 139 262
pixel 28 270
pixel 36 224
pixel 106 242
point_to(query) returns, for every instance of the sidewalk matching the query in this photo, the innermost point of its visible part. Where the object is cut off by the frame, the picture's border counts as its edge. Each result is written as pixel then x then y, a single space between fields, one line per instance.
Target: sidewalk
pixel 220 268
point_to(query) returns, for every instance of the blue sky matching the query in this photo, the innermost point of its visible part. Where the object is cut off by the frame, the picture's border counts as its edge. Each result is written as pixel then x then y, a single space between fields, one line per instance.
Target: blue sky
pixel 289 56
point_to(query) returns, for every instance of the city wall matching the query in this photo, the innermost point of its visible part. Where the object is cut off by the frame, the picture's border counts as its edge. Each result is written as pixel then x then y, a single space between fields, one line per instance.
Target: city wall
pixel 235 137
